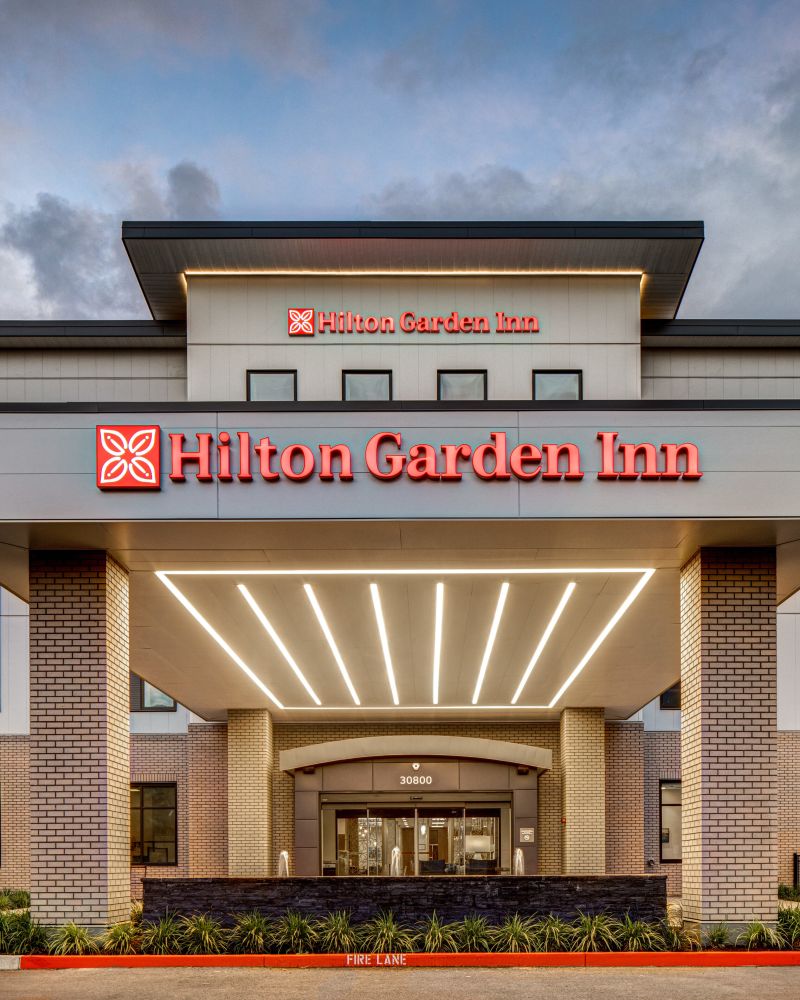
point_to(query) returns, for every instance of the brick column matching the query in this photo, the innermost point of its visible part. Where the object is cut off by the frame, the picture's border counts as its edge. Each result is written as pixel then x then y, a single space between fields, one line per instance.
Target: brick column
pixel 728 736
pixel 583 791
pixel 79 742
pixel 249 792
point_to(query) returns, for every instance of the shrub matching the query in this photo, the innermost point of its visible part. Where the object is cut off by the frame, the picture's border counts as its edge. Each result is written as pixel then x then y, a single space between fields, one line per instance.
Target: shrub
pixel 20 899
pixel 759 935
pixel 73 940
pixel 201 934
pixel 677 938
pixel 551 933
pixel 24 936
pixel 121 939
pixel 161 937
pixel 638 935
pixel 473 934
pixel 384 933
pixel 251 934
pixel 294 934
pixel 437 936
pixel 515 934
pixel 788 892
pixel 336 934
pixel 5 901
pixel 717 936
pixel 595 932
pixel 789 926
pixel 137 906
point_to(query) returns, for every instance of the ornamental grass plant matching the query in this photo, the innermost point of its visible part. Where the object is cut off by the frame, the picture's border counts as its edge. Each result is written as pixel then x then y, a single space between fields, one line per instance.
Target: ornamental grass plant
pixel 73 940
pixel 201 934
pixel 251 934
pixel 638 935
pixel 552 933
pixel 515 934
pixel 121 939
pixel 437 936
pixel 20 934
pixel 294 934
pixel 473 933
pixel 336 934
pixel 789 926
pixel 595 932
pixel 761 936
pixel 385 934
pixel 161 937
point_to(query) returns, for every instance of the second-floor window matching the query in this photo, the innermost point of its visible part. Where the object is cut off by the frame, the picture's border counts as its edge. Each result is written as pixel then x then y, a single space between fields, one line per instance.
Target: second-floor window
pixel 275 386
pixel 461 385
pixel 146 698
pixel 670 700
pixel 366 386
pixel 552 384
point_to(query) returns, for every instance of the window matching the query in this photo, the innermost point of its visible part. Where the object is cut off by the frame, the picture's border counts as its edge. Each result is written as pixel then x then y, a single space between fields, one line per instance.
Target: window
pixel 671 828
pixel 154 825
pixel 461 385
pixel 364 386
pixel 558 385
pixel 279 386
pixel 146 698
pixel 670 699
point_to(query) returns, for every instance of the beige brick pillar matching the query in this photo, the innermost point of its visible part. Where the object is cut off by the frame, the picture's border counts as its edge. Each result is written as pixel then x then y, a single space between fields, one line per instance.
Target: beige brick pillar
pixel 79 742
pixel 728 736
pixel 249 792
pixel 583 791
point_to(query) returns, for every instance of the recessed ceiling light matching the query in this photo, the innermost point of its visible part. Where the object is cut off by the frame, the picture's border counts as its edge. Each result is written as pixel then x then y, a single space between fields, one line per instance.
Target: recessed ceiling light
pixel 217 637
pixel 498 614
pixel 323 624
pixel 543 641
pixel 387 656
pixel 268 627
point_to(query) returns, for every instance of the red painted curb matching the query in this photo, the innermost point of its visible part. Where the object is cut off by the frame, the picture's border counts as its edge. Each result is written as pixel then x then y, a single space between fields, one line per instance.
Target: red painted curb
pixel 606 960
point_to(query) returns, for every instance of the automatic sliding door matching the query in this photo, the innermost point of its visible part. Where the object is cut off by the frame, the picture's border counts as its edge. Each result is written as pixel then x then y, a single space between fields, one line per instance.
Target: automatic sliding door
pixel 391 835
pixel 440 841
pixel 482 841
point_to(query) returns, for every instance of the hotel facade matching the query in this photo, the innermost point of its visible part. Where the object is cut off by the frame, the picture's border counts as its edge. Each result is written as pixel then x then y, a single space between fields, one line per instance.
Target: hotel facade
pixel 403 549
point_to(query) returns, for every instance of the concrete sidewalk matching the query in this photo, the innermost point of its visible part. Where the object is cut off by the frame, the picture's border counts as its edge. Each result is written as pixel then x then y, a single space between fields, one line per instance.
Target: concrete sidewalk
pixel 410 984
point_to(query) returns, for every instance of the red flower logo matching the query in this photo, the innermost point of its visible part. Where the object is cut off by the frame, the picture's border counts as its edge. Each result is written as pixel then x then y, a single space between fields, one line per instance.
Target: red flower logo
pixel 128 458
pixel 301 322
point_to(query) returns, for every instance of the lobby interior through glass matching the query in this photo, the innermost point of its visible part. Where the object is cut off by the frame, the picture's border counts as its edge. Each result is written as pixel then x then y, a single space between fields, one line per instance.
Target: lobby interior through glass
pixel 425 838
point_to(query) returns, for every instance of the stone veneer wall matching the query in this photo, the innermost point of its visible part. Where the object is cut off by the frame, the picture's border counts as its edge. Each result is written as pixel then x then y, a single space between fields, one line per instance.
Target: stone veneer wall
pixel 208 799
pixel 542 734
pixel 662 759
pixel 788 803
pixel 80 741
pixel 163 757
pixel 729 735
pixel 624 806
pixel 15 820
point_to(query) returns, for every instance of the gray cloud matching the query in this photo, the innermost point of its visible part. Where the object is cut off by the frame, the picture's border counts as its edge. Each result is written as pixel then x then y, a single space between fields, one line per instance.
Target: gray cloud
pixel 70 258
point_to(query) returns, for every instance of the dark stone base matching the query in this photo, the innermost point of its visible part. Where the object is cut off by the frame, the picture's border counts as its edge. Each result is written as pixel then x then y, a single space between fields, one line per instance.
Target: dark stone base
pixel 643 896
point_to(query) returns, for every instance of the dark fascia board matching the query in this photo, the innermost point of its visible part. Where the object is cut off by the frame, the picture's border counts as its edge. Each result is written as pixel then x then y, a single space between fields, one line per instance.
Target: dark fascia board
pixel 410 406
pixel 54 334
pixel 412 230
pixel 721 333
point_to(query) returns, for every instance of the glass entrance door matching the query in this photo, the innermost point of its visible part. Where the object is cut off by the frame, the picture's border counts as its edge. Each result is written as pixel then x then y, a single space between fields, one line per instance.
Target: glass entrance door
pixel 423 840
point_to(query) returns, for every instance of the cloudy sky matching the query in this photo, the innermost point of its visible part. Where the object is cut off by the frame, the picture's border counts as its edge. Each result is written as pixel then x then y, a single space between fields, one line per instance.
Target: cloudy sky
pixel 396 109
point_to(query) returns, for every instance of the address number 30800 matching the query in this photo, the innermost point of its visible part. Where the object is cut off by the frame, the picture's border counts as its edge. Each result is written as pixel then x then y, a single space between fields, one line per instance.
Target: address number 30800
pixel 416 779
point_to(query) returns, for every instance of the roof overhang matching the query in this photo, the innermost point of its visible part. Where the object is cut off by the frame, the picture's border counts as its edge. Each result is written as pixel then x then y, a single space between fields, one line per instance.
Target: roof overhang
pixel 163 253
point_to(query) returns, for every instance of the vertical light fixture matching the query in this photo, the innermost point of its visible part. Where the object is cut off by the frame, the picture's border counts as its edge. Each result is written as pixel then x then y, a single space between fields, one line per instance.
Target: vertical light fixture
pixel 323 624
pixel 437 640
pixel 387 656
pixel 543 641
pixel 498 614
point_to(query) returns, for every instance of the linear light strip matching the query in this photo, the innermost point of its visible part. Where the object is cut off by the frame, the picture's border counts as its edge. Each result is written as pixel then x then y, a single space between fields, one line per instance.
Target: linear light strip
pixel 449 273
pixel 437 640
pixel 268 627
pixel 460 571
pixel 604 634
pixel 323 624
pixel 387 656
pixel 543 641
pixel 198 617
pixel 498 614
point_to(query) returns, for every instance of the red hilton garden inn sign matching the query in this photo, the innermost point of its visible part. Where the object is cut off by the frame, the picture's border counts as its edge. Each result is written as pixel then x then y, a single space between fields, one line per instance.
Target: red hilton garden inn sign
pixel 129 458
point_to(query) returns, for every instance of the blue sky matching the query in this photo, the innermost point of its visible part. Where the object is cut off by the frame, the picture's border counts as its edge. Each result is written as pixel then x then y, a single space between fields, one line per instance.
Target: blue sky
pixel 252 109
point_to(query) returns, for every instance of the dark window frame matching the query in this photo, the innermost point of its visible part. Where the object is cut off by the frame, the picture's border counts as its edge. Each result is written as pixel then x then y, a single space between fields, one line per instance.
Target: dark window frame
pixel 368 371
pixel 461 371
pixel 557 371
pixel 271 371
pixel 154 784
pixel 661 783
pixel 665 696
pixel 137 704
